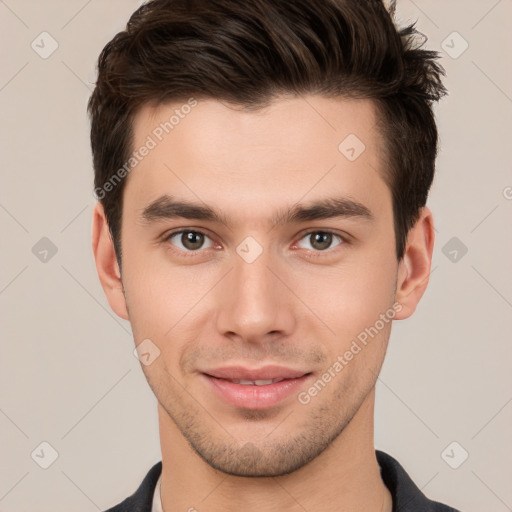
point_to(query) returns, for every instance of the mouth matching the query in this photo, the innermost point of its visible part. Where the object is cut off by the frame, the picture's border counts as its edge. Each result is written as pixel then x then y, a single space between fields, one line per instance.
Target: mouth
pixel 255 382
pixel 255 389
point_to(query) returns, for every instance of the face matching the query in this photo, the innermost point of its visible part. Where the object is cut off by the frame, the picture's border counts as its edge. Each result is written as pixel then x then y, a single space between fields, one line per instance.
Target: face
pixel 258 249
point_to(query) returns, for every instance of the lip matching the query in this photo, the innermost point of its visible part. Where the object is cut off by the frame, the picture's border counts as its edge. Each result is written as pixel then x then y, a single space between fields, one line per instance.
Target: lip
pixel 255 397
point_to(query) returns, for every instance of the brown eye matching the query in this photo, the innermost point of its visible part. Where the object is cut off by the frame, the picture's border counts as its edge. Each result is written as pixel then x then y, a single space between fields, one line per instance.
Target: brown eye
pixel 189 240
pixel 192 240
pixel 320 240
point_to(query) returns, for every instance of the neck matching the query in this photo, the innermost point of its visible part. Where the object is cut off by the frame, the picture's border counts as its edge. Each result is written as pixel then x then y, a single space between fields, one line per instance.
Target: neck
pixel 343 478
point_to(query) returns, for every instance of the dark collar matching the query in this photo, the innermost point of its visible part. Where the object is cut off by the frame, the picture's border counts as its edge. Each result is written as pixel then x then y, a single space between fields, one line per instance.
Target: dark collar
pixel 142 499
pixel 406 495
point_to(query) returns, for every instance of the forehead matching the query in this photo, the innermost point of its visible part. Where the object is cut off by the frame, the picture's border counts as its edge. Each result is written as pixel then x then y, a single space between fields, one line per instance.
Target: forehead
pixel 294 147
pixel 286 121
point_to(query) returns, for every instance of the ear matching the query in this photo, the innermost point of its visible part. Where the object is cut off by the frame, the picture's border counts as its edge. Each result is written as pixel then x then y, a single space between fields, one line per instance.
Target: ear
pixel 106 263
pixel 414 267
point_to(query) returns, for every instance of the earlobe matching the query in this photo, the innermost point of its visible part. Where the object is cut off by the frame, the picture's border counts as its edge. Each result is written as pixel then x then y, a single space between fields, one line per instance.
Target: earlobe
pixel 106 263
pixel 414 268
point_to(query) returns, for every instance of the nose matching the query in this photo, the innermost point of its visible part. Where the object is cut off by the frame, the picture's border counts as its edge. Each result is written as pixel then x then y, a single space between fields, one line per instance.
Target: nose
pixel 254 305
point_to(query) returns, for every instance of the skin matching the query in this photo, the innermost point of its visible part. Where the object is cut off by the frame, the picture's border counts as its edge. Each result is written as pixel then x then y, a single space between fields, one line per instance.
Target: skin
pixel 296 305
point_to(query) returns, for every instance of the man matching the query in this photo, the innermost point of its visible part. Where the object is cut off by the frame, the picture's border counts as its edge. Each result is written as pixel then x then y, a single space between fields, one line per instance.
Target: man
pixel 262 170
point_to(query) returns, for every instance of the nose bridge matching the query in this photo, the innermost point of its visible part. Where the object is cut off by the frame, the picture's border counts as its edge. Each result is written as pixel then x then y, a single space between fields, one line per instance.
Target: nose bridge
pixel 253 305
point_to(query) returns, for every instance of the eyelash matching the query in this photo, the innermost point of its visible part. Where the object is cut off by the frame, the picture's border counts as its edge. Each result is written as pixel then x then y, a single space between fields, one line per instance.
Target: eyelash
pixel 312 253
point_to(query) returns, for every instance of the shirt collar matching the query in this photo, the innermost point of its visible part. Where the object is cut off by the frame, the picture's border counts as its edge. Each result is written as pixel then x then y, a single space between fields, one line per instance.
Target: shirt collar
pixel 157 500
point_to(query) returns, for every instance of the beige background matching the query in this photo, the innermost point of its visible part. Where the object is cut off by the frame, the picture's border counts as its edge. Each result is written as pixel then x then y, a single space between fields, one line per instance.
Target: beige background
pixel 68 375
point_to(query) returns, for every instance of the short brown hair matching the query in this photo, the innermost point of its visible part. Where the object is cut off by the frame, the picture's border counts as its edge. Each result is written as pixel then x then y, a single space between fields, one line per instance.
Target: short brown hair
pixel 247 53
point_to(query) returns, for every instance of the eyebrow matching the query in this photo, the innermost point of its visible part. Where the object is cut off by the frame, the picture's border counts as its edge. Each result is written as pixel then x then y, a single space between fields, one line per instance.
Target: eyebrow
pixel 166 207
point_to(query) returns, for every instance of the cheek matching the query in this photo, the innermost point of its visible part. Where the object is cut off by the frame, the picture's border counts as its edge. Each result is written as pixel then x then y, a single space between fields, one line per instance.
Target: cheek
pixel 164 299
pixel 350 297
